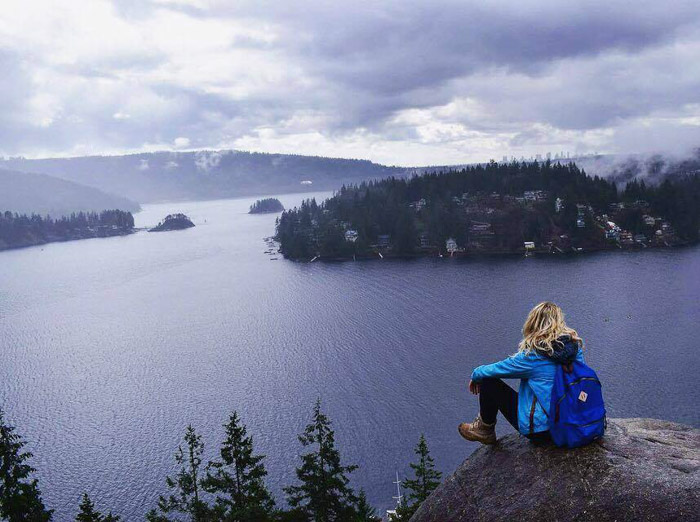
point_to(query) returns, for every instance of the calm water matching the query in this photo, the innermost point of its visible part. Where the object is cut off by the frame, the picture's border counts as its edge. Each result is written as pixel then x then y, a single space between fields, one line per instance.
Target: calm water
pixel 110 347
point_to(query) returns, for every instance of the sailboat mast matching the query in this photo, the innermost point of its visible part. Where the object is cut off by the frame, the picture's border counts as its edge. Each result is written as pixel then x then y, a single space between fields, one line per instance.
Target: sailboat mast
pixel 398 496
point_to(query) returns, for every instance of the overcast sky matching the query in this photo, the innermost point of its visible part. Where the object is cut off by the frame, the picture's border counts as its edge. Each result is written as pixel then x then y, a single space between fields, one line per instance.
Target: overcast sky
pixel 398 82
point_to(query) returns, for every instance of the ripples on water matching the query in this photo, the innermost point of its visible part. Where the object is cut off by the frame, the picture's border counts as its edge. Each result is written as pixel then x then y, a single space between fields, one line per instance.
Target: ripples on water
pixel 110 347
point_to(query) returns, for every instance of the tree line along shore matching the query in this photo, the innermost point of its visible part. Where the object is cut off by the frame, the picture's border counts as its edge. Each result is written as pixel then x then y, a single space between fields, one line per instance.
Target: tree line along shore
pixel 493 209
pixel 22 230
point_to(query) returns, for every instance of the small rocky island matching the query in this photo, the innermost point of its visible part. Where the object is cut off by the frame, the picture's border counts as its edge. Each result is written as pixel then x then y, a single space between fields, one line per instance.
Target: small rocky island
pixel 265 206
pixel 173 222
pixel 642 469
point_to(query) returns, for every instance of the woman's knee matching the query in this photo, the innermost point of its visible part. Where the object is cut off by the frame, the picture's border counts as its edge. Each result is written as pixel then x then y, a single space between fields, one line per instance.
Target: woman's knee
pixel 491 384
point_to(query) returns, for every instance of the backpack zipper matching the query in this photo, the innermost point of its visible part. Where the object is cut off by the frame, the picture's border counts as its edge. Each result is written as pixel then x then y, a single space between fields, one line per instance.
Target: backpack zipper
pixel 583 379
pixel 563 395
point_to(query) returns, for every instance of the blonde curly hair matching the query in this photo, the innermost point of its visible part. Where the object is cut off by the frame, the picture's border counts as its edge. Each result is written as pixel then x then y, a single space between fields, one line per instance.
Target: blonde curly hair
pixel 544 325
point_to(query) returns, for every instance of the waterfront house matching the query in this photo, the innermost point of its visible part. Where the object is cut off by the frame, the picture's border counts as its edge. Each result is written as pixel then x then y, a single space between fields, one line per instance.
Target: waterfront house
pixel 534 195
pixel 451 245
pixel 626 238
pixel 612 231
pixel 351 235
pixel 640 203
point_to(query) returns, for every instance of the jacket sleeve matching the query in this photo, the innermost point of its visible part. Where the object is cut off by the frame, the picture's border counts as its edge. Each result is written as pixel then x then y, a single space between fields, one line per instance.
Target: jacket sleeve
pixel 518 366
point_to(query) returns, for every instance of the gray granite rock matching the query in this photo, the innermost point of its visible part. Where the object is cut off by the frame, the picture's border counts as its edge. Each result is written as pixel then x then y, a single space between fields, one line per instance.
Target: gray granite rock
pixel 643 469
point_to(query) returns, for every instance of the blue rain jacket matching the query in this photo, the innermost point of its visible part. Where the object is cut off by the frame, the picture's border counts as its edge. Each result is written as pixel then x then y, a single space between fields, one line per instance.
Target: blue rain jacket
pixel 536 374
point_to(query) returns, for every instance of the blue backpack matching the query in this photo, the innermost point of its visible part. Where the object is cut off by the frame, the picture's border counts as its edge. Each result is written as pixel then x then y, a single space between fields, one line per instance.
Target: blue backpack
pixel 577 411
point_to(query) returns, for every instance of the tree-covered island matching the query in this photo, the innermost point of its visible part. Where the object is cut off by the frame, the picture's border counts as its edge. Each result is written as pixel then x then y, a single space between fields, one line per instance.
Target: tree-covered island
pixel 173 222
pixel 21 230
pixel 511 208
pixel 267 205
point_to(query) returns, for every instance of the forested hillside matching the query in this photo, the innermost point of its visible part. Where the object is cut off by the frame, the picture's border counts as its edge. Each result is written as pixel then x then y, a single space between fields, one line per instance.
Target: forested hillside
pixel 494 208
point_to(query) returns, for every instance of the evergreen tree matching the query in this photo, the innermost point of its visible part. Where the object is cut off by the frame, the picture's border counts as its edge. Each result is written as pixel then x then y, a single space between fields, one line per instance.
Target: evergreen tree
pixel 20 498
pixel 324 494
pixel 88 513
pixel 237 479
pixel 185 497
pixel 427 478
pixel 365 512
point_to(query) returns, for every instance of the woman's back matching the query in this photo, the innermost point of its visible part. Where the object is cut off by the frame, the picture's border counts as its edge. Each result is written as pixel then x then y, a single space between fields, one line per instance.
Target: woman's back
pixel 536 371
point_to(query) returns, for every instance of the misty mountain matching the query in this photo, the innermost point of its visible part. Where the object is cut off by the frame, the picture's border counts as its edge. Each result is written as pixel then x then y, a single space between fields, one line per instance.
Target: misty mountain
pixel 620 168
pixel 652 168
pixel 27 193
pixel 162 176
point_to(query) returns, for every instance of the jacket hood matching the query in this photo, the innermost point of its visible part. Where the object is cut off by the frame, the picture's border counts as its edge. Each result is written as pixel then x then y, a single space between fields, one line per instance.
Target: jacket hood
pixel 565 350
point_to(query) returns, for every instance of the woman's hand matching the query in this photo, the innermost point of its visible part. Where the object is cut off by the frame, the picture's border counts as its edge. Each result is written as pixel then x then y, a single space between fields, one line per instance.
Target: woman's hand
pixel 474 387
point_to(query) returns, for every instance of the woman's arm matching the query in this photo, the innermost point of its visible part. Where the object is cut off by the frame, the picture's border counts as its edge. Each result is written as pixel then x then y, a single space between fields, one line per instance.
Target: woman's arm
pixel 519 366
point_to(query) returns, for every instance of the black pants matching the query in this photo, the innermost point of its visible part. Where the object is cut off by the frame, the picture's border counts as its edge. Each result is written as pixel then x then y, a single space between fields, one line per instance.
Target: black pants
pixel 495 396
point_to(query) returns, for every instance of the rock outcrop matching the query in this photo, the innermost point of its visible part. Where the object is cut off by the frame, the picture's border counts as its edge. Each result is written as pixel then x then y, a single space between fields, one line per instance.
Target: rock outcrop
pixel 643 469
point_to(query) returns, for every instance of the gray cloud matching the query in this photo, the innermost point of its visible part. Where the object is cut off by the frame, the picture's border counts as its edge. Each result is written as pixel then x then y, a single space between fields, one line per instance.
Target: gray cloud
pixel 396 82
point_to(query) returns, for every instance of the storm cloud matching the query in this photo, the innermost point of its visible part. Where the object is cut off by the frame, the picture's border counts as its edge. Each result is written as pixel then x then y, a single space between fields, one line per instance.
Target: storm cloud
pixel 398 82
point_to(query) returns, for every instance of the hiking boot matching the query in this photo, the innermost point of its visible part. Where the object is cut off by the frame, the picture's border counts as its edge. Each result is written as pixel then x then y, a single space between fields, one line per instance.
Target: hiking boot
pixel 478 431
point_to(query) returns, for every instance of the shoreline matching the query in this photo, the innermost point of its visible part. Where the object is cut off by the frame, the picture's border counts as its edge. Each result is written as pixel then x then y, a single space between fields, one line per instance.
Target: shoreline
pixel 489 254
pixel 4 248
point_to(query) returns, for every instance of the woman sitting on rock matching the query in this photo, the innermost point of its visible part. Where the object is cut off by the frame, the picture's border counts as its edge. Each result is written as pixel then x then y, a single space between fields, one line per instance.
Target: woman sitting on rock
pixel 547 341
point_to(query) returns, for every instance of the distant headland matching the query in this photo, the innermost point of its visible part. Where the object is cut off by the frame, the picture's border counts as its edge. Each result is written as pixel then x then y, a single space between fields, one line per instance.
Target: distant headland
pixel 494 209
pixel 173 222
pixel 22 230
pixel 265 206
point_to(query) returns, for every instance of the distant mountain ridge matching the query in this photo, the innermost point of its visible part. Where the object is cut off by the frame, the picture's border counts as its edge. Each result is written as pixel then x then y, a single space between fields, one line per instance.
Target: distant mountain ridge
pixel 29 193
pixel 163 176
pixel 213 174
